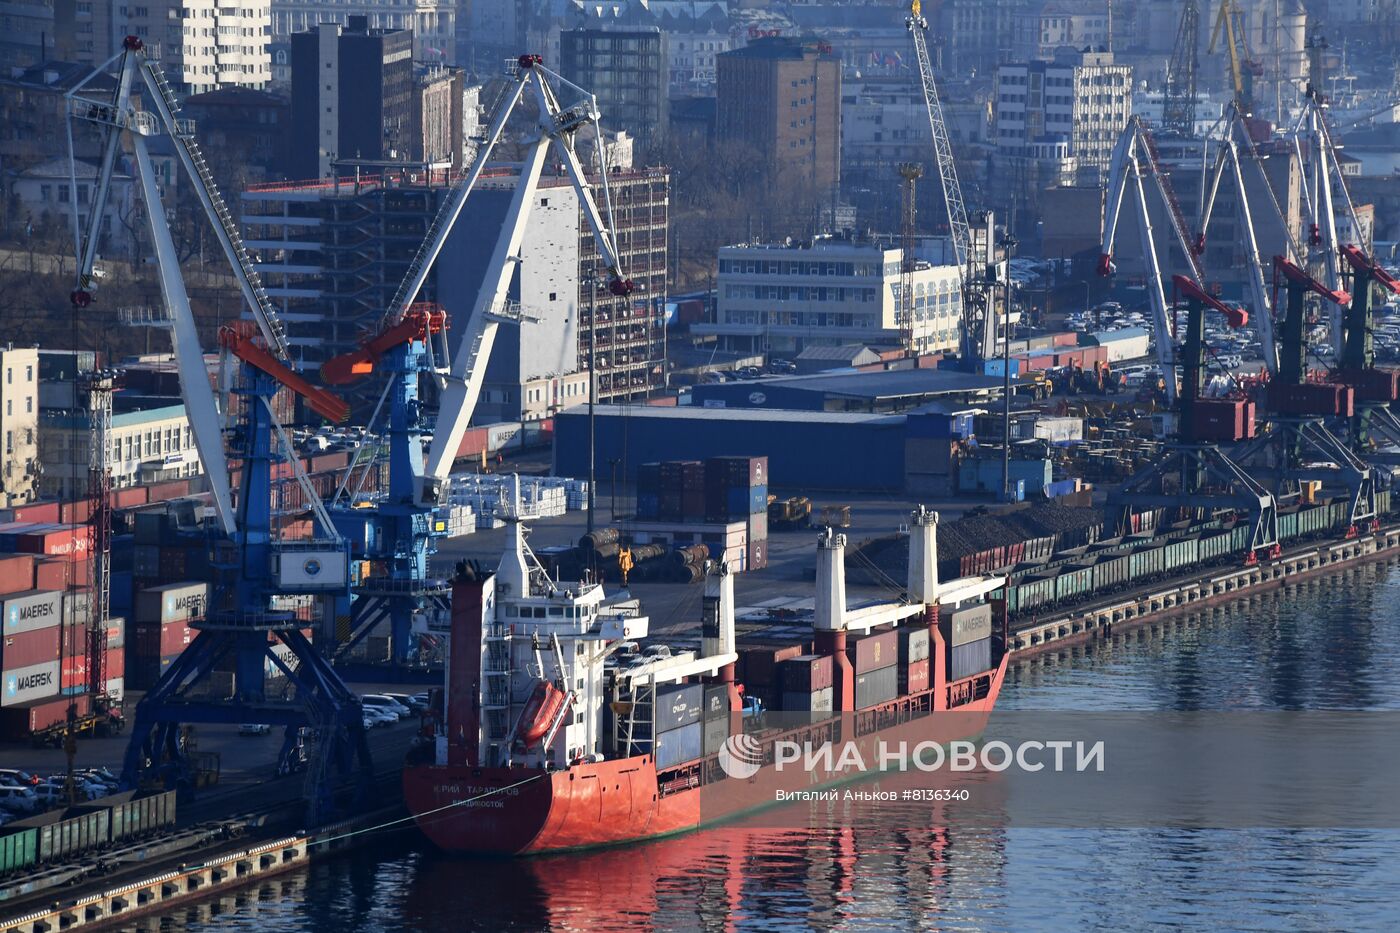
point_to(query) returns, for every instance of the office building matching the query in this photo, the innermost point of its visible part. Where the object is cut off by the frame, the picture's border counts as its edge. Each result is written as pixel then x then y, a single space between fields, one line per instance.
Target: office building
pixel 626 71
pixel 19 422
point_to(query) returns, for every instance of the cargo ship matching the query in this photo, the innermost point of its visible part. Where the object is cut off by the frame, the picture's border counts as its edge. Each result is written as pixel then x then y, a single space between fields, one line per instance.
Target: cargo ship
pixel 562 726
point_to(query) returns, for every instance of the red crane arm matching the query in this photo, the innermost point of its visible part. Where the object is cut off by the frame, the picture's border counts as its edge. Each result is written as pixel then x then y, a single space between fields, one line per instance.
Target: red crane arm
pixel 1235 317
pixel 1298 276
pixel 327 404
pixel 1361 263
pixel 417 324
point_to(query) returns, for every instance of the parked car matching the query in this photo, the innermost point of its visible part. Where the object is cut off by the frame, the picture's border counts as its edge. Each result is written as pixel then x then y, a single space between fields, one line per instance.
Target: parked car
pixel 379 716
pixel 254 728
pixel 20 800
pixel 413 705
pixel 14 776
pixel 386 703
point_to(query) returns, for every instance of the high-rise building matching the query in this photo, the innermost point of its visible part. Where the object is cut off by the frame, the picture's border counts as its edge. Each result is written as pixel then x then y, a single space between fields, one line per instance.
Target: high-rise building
pixel 332 256
pixel 626 71
pixel 782 96
pixel 1081 98
pixel 202 45
pixel 352 97
pixel 19 423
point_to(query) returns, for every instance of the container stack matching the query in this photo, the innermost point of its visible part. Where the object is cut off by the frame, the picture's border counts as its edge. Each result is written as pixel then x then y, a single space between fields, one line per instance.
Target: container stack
pixel 679 728
pixel 807 686
pixel 30 656
pixel 968 633
pixel 736 489
pixel 160 629
pixel 488 495
pixel 875 659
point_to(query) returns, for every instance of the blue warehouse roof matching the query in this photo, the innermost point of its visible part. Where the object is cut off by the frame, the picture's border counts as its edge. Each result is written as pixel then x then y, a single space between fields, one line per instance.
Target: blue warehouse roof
pixel 884 387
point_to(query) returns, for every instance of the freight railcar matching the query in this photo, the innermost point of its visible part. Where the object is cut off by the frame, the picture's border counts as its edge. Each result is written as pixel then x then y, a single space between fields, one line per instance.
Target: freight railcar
pixel 66 834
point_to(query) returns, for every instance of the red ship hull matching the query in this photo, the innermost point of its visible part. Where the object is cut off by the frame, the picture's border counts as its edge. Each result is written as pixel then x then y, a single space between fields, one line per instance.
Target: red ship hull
pixel 612 802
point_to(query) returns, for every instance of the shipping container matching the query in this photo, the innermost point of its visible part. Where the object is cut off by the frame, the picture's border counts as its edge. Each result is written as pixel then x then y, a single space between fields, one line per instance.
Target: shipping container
pixel 756 555
pixel 27 684
pixel 116 688
pixel 37 513
pixel 914 677
pixel 969 658
pixel 128 498
pixel 716 701
pixel 913 644
pixel 733 472
pixel 18 721
pixel 77 607
pixel 173 602
pixel 716 733
pixel 678 706
pixel 876 686
pixel 680 745
pixel 25 649
pixel 805 673
pixel 757 663
pixel 16 573
pixel 966 625
pixel 36 609
pixel 116 632
pixel 818 703
pixel 51 539
pixel 874 652
pixel 143 672
pixel 151 640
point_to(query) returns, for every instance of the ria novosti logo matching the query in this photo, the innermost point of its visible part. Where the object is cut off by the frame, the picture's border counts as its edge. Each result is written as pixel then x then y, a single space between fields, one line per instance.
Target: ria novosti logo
pixel 741 756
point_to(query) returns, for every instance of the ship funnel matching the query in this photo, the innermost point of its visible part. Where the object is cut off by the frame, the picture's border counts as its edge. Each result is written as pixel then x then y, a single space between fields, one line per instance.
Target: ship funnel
pixel 923 556
pixel 513 575
pixel 831 582
pixel 717 620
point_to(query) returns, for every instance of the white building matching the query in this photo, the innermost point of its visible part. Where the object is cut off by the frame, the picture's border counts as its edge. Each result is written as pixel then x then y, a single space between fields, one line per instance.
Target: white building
pixel 1043 28
pixel 1081 97
pixel 148 445
pixel 831 291
pixel 44 197
pixel 19 422
pixel 202 45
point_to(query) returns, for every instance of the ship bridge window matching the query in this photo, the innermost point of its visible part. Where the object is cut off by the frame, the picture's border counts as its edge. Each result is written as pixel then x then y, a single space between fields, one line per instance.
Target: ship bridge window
pixel 512 611
pixel 556 610
pixel 579 651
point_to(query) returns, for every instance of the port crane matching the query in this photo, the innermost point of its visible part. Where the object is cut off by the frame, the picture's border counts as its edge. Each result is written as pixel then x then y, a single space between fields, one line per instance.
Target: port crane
pixel 243 626
pixel 1196 473
pixel 1299 446
pixel 411 344
pixel 1243 67
pixel 970 254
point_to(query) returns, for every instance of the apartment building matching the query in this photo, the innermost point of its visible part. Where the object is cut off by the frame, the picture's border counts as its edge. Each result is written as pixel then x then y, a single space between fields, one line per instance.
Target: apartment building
pixel 781 299
pixel 433 23
pixel 1082 98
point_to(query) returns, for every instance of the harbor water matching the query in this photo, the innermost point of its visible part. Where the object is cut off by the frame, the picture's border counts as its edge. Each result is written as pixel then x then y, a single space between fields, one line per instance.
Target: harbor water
pixel 1332 643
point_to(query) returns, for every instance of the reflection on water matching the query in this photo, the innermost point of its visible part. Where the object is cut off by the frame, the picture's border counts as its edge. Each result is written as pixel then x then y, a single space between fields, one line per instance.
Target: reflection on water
pixel 1330 643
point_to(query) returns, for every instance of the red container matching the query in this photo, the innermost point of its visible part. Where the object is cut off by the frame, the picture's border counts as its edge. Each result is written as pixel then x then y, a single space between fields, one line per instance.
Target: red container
pixel 159 492
pixel 51 574
pixel 757 556
pixel 25 648
pixel 19 722
pixel 116 664
pixel 75 512
pixel 129 498
pixel 805 673
pixel 17 574
pixel 147 640
pixel 330 462
pixel 41 512
pixel 74 669
pixel 693 504
pixel 758 663
pixel 914 677
pixel 874 652
pixel 53 539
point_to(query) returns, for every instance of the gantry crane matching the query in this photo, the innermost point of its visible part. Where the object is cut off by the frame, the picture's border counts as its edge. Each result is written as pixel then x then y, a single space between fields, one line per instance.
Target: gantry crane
pixel 1195 474
pixel 398 531
pixel 1229 25
pixel 253 563
pixel 970 254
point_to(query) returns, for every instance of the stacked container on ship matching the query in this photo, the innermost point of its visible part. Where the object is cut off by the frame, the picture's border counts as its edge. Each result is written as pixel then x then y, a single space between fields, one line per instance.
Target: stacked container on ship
pixel 557 730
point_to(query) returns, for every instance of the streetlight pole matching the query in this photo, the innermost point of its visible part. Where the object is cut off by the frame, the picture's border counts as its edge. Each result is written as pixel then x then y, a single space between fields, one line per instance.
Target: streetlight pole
pixel 592 391
pixel 1008 243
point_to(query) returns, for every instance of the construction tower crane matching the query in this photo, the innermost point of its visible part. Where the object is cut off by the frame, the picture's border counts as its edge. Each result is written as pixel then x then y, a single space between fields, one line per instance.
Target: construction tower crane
pixel 398 532
pixel 253 564
pixel 1244 68
pixel 970 255
pixel 1179 98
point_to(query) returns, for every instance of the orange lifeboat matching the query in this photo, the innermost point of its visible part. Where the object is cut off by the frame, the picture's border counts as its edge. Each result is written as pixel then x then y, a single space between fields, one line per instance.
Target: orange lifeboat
pixel 545 704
